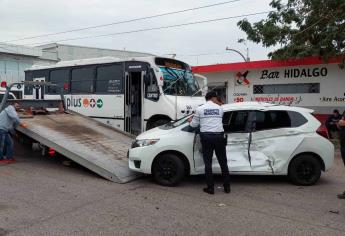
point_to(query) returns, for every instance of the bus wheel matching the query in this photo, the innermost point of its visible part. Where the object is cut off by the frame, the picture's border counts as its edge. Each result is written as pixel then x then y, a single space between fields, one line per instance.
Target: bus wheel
pixel 157 123
pixel 168 170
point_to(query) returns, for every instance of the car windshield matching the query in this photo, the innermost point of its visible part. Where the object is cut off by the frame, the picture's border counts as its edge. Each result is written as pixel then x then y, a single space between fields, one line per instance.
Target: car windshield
pixel 179 82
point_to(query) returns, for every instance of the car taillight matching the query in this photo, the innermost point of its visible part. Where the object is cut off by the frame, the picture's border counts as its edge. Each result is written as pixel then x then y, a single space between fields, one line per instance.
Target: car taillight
pixel 51 152
pixel 322 131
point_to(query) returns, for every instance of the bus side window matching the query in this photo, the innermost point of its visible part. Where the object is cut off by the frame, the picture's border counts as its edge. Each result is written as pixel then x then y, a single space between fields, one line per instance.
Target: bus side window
pixel 82 80
pixel 59 77
pixel 109 79
pixel 151 87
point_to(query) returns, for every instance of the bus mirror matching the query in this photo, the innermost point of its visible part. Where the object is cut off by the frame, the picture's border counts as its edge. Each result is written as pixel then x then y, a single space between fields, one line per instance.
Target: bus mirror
pixel 160 81
pixel 202 81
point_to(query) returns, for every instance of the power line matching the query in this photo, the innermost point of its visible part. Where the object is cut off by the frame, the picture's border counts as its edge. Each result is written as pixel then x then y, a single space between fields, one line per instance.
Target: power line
pixel 151 29
pixel 122 22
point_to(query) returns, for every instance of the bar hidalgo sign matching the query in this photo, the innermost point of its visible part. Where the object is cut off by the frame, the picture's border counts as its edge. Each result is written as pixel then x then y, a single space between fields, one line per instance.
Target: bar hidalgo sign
pixel 294 73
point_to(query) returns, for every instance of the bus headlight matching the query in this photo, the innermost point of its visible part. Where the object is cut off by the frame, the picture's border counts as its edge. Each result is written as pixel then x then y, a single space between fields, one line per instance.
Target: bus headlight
pixel 144 142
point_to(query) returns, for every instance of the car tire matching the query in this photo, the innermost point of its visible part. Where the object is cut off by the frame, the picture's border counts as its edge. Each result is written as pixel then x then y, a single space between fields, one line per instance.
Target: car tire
pixel 305 170
pixel 157 123
pixel 168 170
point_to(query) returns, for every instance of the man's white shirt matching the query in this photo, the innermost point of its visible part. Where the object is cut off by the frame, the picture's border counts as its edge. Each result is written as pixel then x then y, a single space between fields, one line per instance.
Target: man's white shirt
pixel 210 118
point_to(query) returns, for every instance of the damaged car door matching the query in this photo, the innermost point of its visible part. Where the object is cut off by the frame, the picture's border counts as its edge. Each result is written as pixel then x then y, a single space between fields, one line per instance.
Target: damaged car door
pixel 235 127
pixel 274 139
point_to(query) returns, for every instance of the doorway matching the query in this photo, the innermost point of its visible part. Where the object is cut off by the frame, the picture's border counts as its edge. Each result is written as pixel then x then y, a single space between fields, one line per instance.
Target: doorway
pixel 133 106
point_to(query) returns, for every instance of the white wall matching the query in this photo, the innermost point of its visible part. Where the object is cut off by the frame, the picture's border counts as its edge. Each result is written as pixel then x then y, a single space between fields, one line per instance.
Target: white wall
pixel 332 86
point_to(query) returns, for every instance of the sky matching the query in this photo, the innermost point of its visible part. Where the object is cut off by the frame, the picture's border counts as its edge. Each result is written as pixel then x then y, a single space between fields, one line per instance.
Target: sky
pixel 199 44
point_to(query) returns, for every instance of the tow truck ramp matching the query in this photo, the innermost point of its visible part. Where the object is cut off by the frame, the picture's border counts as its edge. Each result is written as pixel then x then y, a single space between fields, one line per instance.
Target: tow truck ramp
pixel 97 147
pixel 94 145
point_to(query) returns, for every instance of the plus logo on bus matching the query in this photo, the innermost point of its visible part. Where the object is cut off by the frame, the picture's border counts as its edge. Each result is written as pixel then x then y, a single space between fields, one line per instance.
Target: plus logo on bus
pixel 84 102
pixel 92 102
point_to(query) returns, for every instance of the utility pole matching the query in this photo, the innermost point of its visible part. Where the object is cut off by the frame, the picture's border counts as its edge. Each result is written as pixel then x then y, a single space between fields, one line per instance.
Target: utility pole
pixel 246 59
pixel 234 50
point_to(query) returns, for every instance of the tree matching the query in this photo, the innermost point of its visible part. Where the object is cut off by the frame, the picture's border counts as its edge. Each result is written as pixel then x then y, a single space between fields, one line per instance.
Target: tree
pixel 301 28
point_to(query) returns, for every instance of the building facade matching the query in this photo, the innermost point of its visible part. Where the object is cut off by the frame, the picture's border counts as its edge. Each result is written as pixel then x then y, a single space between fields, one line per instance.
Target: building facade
pixel 64 52
pixel 14 60
pixel 304 82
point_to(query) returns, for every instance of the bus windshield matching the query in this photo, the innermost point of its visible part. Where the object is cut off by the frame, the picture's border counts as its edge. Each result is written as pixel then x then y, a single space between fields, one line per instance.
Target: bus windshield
pixel 179 82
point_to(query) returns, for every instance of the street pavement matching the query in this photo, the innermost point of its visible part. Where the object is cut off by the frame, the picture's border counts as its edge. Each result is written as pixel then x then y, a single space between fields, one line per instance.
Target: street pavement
pixel 40 196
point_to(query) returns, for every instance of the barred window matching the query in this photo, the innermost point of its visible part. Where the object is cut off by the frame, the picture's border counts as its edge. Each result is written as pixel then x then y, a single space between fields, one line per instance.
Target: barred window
pixel 286 88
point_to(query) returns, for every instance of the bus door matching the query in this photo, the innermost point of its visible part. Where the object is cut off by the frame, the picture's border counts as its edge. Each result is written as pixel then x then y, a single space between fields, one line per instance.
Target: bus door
pixel 38 91
pixel 134 74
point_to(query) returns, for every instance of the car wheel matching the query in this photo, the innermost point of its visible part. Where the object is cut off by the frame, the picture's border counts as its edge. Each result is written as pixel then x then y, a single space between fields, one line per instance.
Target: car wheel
pixel 168 170
pixel 158 123
pixel 305 170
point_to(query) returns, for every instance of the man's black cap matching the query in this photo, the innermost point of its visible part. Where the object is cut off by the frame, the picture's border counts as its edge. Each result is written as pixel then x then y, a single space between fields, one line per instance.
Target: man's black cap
pixel 211 94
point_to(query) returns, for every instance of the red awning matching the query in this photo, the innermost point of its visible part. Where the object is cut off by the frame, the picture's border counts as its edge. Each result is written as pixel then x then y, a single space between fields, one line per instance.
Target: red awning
pixel 261 64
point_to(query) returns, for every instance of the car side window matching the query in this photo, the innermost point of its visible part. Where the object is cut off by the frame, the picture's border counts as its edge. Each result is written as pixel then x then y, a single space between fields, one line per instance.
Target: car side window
pixel 296 119
pixel 235 121
pixel 266 120
pixel 226 120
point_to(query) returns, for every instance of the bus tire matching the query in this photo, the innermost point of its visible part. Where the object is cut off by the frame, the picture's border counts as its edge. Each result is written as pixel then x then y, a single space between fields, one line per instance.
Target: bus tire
pixel 157 123
pixel 168 170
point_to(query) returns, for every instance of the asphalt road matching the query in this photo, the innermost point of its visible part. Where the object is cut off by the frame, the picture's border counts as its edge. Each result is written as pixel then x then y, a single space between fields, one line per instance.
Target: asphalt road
pixel 40 196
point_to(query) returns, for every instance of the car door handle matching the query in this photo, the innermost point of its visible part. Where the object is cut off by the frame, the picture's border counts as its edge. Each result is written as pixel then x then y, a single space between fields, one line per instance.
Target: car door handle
pixel 238 140
pixel 292 132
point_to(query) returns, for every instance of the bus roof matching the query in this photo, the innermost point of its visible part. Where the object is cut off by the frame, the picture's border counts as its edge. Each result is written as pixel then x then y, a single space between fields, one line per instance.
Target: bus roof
pixel 93 61
pixel 89 61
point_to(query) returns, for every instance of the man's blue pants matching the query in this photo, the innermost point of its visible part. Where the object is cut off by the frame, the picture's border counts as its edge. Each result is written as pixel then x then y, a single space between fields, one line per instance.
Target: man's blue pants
pixel 6 145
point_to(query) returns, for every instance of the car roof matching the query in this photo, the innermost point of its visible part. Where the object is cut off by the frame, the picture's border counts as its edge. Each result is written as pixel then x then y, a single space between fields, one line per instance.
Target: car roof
pixel 261 106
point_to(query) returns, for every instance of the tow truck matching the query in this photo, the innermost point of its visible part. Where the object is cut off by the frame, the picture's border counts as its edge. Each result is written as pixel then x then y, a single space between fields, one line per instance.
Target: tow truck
pixel 96 146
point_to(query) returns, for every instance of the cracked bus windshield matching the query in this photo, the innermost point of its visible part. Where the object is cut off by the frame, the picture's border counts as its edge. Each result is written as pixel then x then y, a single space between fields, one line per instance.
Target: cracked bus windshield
pixel 179 82
pixel 178 78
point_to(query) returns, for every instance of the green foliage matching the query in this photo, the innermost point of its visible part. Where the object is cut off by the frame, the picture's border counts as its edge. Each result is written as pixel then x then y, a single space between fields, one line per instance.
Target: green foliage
pixel 301 28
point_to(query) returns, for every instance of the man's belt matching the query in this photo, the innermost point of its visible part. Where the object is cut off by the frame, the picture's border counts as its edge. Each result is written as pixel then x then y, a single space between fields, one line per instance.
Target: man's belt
pixel 212 133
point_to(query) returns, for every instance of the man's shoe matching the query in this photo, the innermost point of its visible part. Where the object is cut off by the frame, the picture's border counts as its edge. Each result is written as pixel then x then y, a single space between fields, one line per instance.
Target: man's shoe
pixel 209 190
pixel 341 196
pixel 227 189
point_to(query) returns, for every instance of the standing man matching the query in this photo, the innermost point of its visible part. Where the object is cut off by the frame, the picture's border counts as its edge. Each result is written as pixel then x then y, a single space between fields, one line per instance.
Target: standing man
pixel 341 125
pixel 332 121
pixel 210 119
pixel 8 121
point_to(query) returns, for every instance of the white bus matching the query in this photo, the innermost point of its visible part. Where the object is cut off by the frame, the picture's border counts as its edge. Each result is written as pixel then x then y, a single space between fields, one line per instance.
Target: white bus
pixel 132 95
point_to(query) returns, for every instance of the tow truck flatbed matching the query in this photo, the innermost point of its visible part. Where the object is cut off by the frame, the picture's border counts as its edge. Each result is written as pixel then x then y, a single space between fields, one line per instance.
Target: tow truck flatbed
pixel 92 144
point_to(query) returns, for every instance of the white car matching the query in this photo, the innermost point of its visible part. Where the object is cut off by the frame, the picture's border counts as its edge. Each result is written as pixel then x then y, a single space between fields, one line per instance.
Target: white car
pixel 262 139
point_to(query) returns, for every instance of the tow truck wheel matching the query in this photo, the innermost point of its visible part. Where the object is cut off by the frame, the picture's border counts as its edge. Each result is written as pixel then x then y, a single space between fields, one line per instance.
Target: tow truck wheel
pixel 168 170
pixel 305 170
